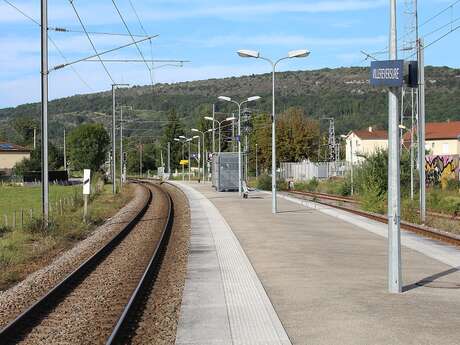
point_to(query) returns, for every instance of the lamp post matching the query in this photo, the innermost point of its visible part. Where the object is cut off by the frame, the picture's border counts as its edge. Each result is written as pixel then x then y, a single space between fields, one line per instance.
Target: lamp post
pixel 257 167
pixel 292 54
pixel 239 104
pixel 199 153
pixel 203 134
pixel 182 141
pixel 186 140
pixel 219 123
pixel 114 183
pixel 351 160
pixel 122 175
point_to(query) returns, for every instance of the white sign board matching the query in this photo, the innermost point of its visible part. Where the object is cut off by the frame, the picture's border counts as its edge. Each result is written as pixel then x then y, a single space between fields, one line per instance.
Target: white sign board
pixel 86 181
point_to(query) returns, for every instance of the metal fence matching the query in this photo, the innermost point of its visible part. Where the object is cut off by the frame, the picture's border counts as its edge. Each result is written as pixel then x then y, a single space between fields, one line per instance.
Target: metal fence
pixel 306 170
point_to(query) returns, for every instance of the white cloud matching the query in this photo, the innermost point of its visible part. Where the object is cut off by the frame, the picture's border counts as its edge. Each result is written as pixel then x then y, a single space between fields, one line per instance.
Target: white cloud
pixel 286 40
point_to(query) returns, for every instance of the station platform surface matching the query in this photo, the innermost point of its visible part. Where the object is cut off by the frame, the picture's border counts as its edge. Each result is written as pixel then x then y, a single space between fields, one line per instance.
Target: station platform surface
pixel 324 273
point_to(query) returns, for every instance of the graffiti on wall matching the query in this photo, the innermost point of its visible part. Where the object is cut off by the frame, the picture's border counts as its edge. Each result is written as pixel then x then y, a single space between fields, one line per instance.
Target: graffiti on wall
pixel 440 169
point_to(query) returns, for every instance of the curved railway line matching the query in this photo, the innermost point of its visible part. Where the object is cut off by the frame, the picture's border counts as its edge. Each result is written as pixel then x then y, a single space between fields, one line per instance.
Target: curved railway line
pixel 325 199
pixel 101 300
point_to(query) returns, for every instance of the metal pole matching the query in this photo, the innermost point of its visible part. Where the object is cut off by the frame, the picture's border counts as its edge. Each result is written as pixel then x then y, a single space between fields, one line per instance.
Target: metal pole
pixel 351 174
pixel 189 161
pixel 257 167
pixel 169 157
pixel 65 154
pixel 219 136
pixel 114 187
pixel 44 106
pixel 121 147
pixel 183 165
pixel 246 150
pixel 240 182
pixel 273 144
pixel 421 128
pixel 140 159
pixel 204 156
pixel 35 138
pixel 213 129
pixel 199 157
pixel 412 149
pixel 394 235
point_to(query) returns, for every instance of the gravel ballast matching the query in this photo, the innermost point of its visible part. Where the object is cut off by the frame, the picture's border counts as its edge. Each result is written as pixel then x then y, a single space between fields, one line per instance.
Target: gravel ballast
pixel 16 299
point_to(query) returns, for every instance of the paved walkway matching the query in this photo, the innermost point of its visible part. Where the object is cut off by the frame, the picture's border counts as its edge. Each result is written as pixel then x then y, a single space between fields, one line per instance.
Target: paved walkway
pixel 224 301
pixel 325 274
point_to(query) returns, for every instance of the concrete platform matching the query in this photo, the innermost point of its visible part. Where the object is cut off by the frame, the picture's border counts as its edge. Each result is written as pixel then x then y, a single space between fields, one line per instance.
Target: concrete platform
pixel 324 272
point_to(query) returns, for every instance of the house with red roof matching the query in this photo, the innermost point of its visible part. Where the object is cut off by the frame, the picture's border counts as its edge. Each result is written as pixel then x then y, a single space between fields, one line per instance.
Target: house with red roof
pixel 364 142
pixel 441 138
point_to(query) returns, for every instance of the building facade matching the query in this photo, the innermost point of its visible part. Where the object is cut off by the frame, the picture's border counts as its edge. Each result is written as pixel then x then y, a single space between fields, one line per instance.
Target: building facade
pixel 10 154
pixel 364 142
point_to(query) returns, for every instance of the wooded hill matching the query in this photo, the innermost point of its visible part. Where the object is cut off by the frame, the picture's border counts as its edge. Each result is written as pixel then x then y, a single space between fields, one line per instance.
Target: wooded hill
pixel 342 93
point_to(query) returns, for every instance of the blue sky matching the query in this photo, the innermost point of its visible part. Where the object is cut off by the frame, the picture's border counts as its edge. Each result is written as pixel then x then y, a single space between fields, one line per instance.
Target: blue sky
pixel 207 32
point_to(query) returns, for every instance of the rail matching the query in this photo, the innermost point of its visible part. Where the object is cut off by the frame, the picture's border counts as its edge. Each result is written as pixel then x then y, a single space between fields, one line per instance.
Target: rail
pixel 28 318
pixel 419 229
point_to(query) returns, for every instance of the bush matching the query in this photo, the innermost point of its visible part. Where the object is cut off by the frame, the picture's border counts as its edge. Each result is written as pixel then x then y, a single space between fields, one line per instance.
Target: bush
pixel 264 182
pixel 4 229
pixel 309 186
pixel 373 200
pixel 452 185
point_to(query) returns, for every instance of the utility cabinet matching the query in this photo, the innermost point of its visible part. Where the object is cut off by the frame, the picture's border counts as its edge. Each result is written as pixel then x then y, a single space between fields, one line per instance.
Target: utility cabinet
pixel 225 171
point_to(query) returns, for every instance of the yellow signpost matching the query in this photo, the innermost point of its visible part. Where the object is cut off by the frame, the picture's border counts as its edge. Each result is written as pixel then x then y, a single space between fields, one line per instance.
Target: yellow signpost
pixel 183 162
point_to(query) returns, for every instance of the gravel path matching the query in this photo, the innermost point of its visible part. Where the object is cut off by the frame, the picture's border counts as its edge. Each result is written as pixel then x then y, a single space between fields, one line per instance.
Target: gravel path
pixel 88 314
pixel 159 319
pixel 14 300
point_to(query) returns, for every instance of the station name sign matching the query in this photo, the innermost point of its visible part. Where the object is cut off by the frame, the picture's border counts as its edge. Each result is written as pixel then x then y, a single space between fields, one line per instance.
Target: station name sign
pixel 388 73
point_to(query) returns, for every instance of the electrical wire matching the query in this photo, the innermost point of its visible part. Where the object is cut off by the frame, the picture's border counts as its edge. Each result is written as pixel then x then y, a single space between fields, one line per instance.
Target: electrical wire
pixel 129 31
pixel 52 42
pixel 90 41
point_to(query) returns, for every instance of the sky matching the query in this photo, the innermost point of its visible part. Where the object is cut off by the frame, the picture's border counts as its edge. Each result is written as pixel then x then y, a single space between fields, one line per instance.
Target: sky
pixel 207 33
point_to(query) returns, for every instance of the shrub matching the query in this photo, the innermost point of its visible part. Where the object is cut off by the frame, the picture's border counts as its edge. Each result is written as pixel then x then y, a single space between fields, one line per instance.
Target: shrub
pixel 264 182
pixel 452 184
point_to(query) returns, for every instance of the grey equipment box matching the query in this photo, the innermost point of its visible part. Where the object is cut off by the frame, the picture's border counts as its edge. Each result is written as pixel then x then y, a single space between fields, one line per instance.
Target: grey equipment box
pixel 225 171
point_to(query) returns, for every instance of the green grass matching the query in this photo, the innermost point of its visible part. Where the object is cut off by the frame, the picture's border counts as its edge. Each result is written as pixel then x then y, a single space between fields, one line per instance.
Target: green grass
pixel 15 198
pixel 23 250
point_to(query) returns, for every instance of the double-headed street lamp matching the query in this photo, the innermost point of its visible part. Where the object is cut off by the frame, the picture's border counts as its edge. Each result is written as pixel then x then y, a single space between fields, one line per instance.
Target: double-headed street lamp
pixel 219 123
pixel 187 140
pixel 203 134
pixel 182 140
pixel 250 99
pixel 292 54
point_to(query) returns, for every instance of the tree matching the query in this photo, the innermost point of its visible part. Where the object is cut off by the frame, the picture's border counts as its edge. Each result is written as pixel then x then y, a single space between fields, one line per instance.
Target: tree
pixel 148 158
pixel 88 146
pixel 297 136
pixel 173 130
pixel 55 161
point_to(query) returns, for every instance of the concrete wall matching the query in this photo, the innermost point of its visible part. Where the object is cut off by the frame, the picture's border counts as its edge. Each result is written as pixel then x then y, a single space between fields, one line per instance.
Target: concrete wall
pixel 9 159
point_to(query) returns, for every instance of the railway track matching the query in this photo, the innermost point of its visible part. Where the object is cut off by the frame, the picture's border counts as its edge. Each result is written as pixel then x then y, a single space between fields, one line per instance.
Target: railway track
pixel 100 301
pixel 419 229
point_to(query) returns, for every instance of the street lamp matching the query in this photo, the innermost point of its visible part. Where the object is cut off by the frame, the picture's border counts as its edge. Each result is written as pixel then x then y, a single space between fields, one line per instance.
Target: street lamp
pixel 203 134
pixel 292 54
pixel 351 159
pixel 228 99
pixel 182 140
pixel 219 123
pixel 199 153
